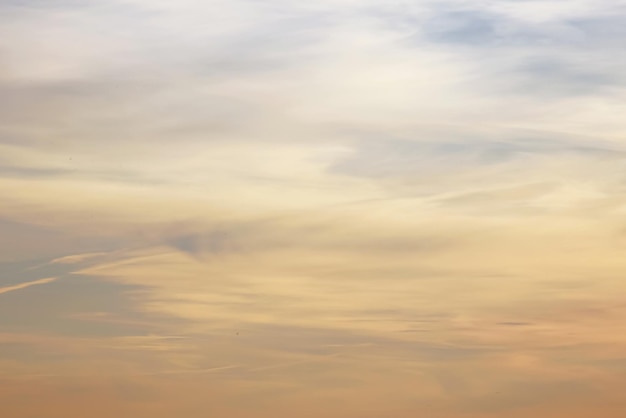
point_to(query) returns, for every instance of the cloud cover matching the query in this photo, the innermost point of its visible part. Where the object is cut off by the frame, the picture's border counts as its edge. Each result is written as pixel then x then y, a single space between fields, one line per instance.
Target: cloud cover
pixel 417 203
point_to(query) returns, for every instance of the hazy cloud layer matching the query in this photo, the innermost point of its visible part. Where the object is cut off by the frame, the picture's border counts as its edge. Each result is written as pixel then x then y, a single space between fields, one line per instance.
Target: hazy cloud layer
pixel 342 208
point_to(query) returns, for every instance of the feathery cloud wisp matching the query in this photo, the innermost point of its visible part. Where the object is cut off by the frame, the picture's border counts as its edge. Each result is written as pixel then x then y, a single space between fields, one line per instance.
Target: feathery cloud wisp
pixel 20 286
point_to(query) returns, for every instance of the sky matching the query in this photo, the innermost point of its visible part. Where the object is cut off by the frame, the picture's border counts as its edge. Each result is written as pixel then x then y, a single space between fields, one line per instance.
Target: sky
pixel 337 208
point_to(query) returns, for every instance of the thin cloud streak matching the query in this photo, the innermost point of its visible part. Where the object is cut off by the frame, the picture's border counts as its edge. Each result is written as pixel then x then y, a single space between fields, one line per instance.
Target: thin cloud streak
pixel 20 286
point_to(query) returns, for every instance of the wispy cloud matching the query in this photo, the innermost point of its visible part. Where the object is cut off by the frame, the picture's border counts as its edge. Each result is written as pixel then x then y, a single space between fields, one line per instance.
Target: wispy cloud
pixel 271 181
pixel 20 286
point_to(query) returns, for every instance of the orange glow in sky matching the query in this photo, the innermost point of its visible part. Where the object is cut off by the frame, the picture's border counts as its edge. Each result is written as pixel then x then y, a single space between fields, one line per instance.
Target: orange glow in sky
pixel 341 208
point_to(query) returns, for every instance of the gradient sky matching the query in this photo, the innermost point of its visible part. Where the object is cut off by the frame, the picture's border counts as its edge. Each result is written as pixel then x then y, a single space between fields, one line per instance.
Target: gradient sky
pixel 336 208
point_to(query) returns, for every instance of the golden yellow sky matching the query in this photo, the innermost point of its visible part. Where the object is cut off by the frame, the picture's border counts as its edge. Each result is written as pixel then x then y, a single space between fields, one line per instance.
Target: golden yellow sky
pixel 346 209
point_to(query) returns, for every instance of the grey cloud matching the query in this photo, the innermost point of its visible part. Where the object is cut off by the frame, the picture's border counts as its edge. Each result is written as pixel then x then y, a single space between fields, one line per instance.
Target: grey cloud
pixel 151 40
pixel 388 158
pixel 119 175
pixel 214 242
pixel 470 27
pixel 23 172
pixel 45 4
pixel 554 77
pixel 557 58
pixel 481 27
pixel 605 31
pixel 304 231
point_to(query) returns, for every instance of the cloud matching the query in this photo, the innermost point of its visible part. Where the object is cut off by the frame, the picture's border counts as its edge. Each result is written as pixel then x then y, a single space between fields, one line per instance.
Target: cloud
pixel 77 258
pixel 241 81
pixel 20 286
pixel 436 186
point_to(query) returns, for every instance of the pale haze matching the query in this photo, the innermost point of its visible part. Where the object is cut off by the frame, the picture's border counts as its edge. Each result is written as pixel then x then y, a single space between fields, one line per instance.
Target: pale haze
pixel 334 208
